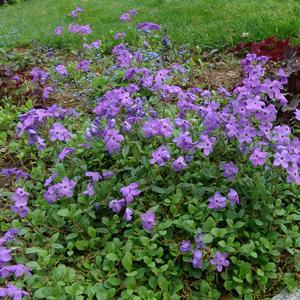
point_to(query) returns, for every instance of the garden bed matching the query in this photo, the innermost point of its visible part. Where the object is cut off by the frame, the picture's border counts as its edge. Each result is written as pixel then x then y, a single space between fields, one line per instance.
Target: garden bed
pixel 146 171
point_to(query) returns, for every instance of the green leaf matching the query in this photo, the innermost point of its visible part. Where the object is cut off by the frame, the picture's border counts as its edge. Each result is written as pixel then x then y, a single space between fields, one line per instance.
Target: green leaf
pixel 113 281
pixel 209 224
pixel 112 256
pixel 163 283
pixel 127 261
pixel 81 244
pixel 92 232
pixel 208 238
pixel 125 150
pixel 158 190
pixel 63 212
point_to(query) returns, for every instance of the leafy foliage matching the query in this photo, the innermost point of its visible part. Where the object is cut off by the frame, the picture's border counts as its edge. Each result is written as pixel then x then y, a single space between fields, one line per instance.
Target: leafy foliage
pixel 233 198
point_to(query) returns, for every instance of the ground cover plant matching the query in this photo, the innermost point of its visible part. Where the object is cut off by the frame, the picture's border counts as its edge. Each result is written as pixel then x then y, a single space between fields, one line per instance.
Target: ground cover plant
pixel 212 24
pixel 144 187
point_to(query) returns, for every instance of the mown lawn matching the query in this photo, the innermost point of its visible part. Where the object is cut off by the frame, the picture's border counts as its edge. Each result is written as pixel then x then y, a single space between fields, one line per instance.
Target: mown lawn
pixel 208 23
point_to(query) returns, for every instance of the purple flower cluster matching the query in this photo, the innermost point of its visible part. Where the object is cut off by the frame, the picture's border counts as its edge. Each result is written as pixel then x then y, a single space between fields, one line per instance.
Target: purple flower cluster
pixel 20 199
pixel 39 76
pixel 74 13
pixel 126 17
pixel 58 30
pixel 129 193
pixel 218 202
pixel 80 29
pixel 13 292
pixel 160 156
pixel 113 140
pixel 61 70
pixel 83 65
pixel 186 247
pixel 229 170
pixel 46 92
pixel 119 35
pixel 94 45
pixel 148 26
pixel 63 189
pixel 220 260
pixel 159 127
pixel 34 120
pixel 14 172
pixel 7 270
pixel 59 133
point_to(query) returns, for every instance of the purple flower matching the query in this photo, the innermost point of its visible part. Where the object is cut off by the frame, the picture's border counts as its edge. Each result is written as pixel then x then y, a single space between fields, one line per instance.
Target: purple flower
pixel 64 153
pixel 220 260
pixel 108 174
pixel 282 159
pixel 229 170
pixel 46 92
pixel 206 143
pixel 20 198
pixel 83 65
pixel 65 187
pixel 160 156
pixel 297 114
pixel 217 202
pixel 233 197
pixel 89 190
pixel 117 205
pixel 258 157
pixel 185 246
pixel 80 29
pixel 126 17
pixel 9 235
pixel 13 171
pixel 158 127
pixel 74 13
pixel 61 70
pixel 165 127
pixel 197 259
pixel 128 214
pixel 147 26
pixel 17 270
pixel 39 75
pixel 58 30
pixel 96 176
pixel 16 78
pixel 112 140
pixel 179 164
pixel 132 12
pixel 148 220
pixel 4 255
pixel 184 141
pixel 50 179
pixel 59 132
pixel 199 240
pixel 119 35
pixel 182 123
pixel 130 192
pixel 246 134
pixel 94 45
pixel 13 292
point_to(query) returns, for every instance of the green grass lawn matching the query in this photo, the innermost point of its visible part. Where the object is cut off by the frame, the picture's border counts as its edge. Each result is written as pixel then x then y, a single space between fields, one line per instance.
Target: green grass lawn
pixel 208 23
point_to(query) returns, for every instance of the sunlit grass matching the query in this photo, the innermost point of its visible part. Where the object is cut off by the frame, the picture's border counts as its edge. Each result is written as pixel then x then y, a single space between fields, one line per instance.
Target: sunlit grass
pixel 208 23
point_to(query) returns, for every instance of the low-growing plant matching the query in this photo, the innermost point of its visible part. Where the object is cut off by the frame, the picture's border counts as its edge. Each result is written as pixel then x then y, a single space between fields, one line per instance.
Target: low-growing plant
pixel 151 190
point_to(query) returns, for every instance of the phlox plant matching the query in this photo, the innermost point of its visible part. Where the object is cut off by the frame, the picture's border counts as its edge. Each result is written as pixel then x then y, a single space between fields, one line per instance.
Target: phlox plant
pixel 149 189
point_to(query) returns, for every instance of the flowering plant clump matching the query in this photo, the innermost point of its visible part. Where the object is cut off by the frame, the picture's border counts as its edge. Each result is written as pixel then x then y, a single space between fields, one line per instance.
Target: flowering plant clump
pixel 150 188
